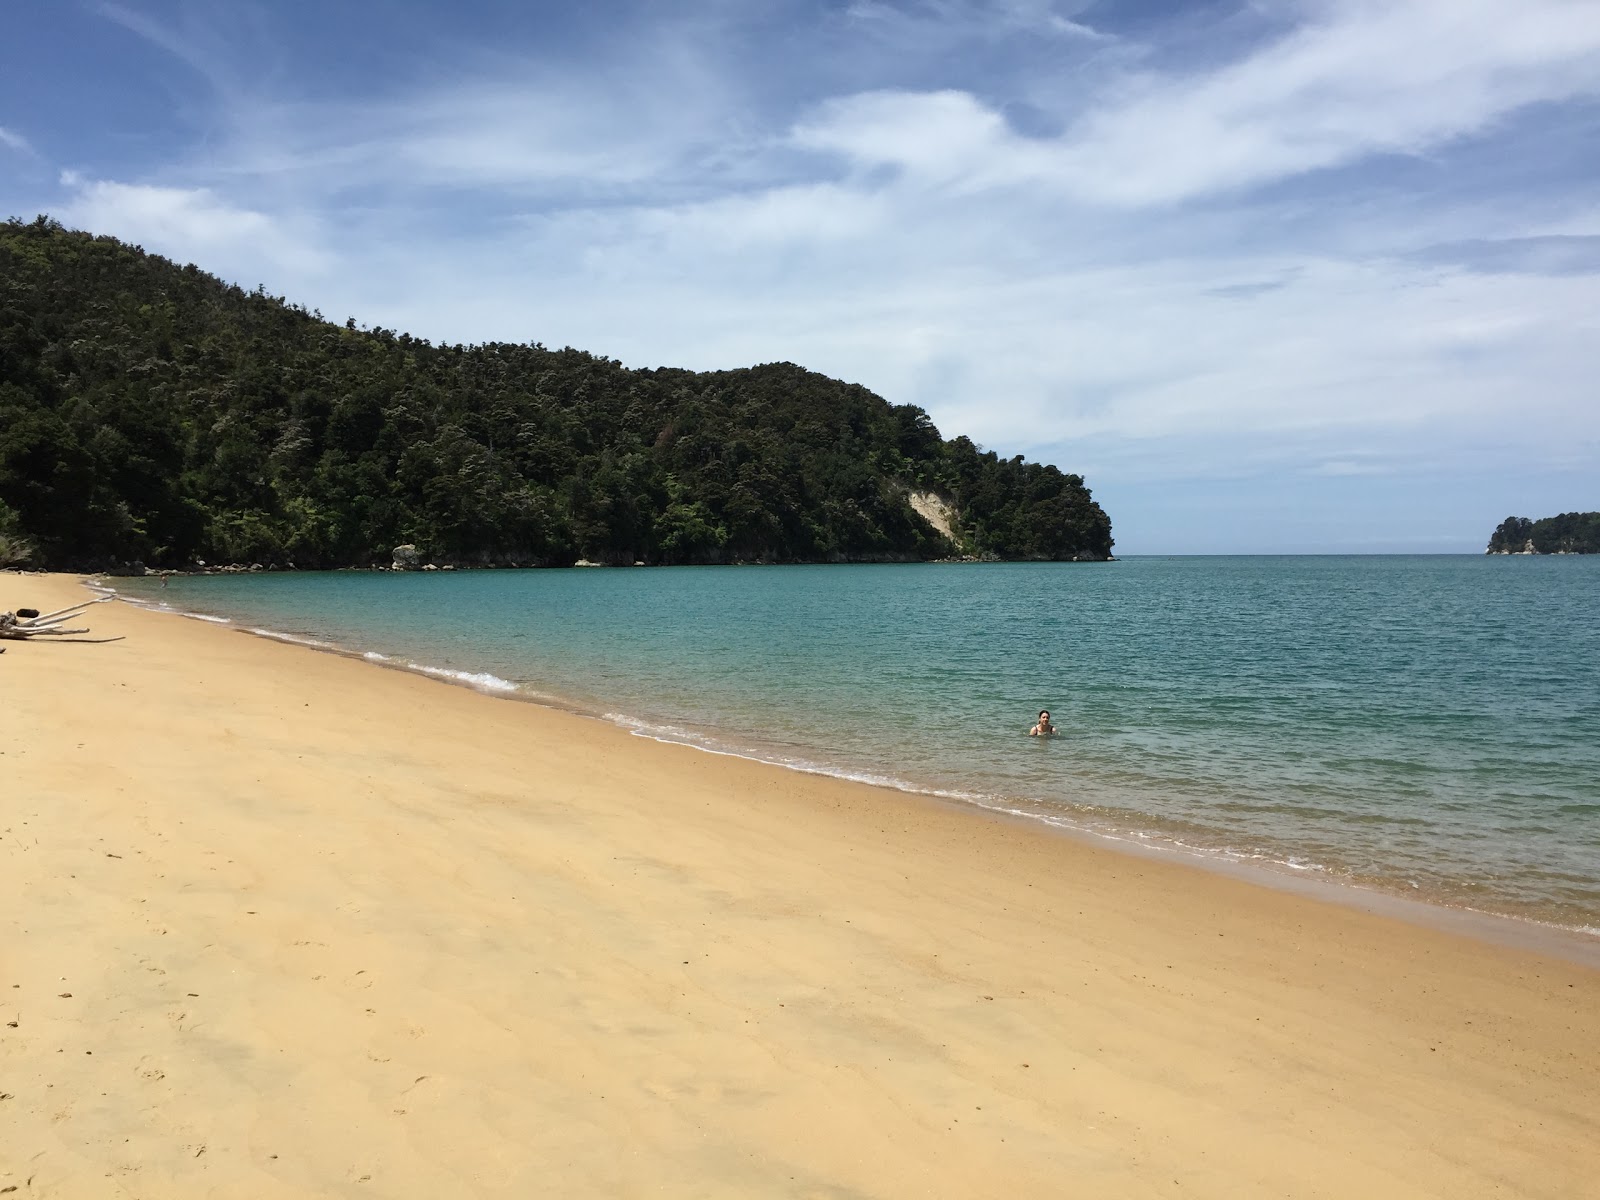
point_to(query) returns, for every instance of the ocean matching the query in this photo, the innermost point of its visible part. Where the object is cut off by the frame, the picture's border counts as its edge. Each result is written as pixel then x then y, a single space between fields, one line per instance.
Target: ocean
pixel 1426 726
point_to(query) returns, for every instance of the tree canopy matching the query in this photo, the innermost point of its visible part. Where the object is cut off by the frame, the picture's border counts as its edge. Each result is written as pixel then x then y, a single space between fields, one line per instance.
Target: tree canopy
pixel 1568 533
pixel 152 412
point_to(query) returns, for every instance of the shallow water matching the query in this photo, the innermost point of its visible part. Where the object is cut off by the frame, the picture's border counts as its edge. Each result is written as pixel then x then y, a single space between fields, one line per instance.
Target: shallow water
pixel 1428 725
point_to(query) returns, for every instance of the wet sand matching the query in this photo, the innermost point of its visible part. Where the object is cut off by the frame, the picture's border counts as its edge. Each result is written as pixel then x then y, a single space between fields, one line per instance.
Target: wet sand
pixel 276 923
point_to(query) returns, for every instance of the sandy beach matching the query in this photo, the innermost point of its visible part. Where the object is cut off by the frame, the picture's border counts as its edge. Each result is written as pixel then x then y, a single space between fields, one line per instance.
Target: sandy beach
pixel 278 923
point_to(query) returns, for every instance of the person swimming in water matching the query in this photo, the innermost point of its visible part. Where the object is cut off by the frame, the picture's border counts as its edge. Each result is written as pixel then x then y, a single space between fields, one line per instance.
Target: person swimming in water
pixel 1044 728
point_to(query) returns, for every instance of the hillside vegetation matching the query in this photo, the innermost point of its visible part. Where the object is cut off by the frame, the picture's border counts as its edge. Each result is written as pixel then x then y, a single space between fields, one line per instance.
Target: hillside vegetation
pixel 1568 533
pixel 152 412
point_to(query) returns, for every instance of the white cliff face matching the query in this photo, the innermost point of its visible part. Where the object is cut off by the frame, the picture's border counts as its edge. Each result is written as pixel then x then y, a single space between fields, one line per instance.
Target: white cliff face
pixel 936 511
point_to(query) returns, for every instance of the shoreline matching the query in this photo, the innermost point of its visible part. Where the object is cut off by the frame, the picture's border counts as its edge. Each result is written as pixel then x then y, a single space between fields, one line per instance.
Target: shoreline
pixel 279 925
pixel 1577 943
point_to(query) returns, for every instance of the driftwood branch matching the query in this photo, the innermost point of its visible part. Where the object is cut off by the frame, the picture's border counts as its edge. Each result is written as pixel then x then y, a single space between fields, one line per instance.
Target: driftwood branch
pixel 68 611
pixel 81 641
pixel 41 624
pixel 17 627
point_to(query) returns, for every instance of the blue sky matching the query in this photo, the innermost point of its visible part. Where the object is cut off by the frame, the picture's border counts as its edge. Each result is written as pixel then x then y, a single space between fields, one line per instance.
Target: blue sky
pixel 1309 276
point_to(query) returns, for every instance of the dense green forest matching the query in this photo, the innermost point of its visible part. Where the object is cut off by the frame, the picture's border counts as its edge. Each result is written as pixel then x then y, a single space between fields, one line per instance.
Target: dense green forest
pixel 1569 533
pixel 152 412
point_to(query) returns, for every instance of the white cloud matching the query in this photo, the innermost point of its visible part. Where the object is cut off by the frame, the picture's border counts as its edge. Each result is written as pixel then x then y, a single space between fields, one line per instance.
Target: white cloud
pixel 192 224
pixel 1401 76
pixel 951 21
pixel 937 138
pixel 657 112
pixel 14 141
pixel 553 130
pixel 764 221
pixel 1367 77
pixel 662 112
pixel 1340 468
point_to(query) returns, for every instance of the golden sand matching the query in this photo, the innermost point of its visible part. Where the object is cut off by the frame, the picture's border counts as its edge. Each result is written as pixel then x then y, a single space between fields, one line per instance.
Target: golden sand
pixel 276 923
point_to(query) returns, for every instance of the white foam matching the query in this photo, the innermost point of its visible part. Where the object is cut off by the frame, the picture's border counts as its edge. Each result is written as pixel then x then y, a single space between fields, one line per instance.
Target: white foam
pixel 481 680
pixel 678 736
pixel 1109 831
pixel 293 640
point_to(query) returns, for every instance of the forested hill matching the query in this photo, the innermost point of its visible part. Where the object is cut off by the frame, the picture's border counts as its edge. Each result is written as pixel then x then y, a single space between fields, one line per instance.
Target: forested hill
pixel 151 412
pixel 1569 533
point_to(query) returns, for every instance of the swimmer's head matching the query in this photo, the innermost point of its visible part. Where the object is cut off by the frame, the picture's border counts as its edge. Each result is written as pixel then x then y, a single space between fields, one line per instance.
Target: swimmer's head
pixel 1044 714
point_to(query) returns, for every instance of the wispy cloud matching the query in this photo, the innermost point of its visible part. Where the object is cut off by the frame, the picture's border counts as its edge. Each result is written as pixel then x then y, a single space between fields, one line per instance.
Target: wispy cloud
pixel 1547 254
pixel 1361 79
pixel 947 21
pixel 937 138
pixel 193 224
pixel 1357 467
pixel 14 141
pixel 199 44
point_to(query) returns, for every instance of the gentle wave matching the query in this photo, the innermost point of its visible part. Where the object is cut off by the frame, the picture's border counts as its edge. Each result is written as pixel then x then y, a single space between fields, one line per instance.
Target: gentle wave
pixel 1100 829
pixel 292 639
pixel 481 680
pixel 154 605
pixel 1108 830
pixel 678 736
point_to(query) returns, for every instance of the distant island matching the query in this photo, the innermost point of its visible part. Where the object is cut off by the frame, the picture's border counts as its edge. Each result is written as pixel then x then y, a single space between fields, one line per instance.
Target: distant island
pixel 152 414
pixel 1569 533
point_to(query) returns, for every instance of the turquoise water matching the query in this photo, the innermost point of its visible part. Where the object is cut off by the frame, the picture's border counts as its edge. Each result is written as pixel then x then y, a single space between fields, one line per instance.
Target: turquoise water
pixel 1427 725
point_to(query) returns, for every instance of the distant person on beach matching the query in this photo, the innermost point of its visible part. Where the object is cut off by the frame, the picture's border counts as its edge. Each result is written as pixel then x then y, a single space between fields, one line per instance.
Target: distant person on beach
pixel 1043 728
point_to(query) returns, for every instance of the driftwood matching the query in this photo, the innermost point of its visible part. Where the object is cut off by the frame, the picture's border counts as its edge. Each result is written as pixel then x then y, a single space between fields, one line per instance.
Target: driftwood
pixel 19 628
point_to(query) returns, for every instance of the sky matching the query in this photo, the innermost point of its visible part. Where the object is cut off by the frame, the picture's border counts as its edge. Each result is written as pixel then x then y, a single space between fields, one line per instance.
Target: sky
pixel 1310 276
